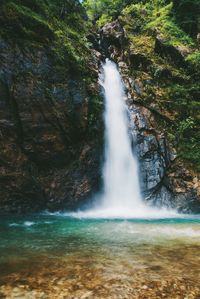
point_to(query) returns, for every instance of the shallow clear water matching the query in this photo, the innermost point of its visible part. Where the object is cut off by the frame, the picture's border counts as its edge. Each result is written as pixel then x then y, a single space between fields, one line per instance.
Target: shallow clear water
pixel 61 257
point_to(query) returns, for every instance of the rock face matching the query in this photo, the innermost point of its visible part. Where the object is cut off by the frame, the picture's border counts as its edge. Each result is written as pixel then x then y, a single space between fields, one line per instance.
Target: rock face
pixel 46 160
pixel 165 181
pixel 51 131
pixel 112 39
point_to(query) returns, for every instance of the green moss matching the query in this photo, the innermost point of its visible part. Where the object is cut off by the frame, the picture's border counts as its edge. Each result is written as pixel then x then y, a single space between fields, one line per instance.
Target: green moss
pixel 22 23
pixel 171 137
pixel 58 24
pixel 159 17
pixel 142 43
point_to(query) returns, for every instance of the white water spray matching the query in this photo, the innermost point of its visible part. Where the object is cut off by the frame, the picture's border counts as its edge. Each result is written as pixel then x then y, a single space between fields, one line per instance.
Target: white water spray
pixel 120 172
pixel 121 197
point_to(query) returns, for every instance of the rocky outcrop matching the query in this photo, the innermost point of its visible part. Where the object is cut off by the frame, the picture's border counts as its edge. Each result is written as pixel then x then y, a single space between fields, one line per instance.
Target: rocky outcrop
pixel 163 181
pixel 47 158
pixel 112 39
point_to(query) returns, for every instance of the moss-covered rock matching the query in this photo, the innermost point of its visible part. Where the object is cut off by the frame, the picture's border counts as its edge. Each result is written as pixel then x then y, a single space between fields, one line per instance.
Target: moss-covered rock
pixel 156 64
pixel 50 106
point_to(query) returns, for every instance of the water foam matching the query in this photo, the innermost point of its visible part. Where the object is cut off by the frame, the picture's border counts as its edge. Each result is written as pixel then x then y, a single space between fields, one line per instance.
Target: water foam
pixel 124 213
pixel 121 196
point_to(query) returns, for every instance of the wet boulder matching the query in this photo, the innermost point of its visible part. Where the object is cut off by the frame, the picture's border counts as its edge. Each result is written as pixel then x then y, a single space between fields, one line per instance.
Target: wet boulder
pixel 112 38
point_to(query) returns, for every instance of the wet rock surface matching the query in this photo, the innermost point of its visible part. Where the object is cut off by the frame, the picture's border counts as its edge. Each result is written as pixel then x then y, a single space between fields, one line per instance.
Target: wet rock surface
pixel 157 163
pixel 44 123
pixel 112 39
pixel 165 180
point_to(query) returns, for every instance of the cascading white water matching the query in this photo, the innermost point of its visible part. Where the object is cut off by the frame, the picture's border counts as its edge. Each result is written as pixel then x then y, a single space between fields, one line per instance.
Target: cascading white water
pixel 120 172
pixel 120 197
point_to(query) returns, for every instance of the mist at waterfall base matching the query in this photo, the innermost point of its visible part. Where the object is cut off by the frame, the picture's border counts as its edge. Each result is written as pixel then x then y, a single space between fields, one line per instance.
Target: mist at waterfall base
pixel 121 196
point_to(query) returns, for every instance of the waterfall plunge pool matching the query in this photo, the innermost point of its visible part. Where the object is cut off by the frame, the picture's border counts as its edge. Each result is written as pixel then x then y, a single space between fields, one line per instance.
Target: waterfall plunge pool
pixel 54 256
pixel 94 253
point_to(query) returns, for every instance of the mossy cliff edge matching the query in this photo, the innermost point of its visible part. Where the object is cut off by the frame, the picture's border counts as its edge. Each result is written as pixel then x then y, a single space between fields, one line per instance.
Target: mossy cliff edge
pixel 51 105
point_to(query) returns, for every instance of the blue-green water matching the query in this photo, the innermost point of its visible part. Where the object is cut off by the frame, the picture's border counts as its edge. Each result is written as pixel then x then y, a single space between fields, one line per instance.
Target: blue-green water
pixel 63 257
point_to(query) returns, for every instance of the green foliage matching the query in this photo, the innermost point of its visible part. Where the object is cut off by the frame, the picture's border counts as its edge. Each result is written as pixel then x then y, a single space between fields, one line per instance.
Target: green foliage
pixel 157 17
pixel 104 19
pixel 59 24
pixel 171 137
pixel 186 101
pixel 161 18
pixel 25 23
pixel 190 150
pixel 194 60
pixel 62 25
pixel 187 13
pixel 134 17
pixel 100 10
pixel 176 97
pixel 186 125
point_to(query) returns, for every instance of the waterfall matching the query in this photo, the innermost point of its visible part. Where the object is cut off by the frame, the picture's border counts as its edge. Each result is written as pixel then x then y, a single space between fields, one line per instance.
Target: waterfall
pixel 120 197
pixel 121 189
